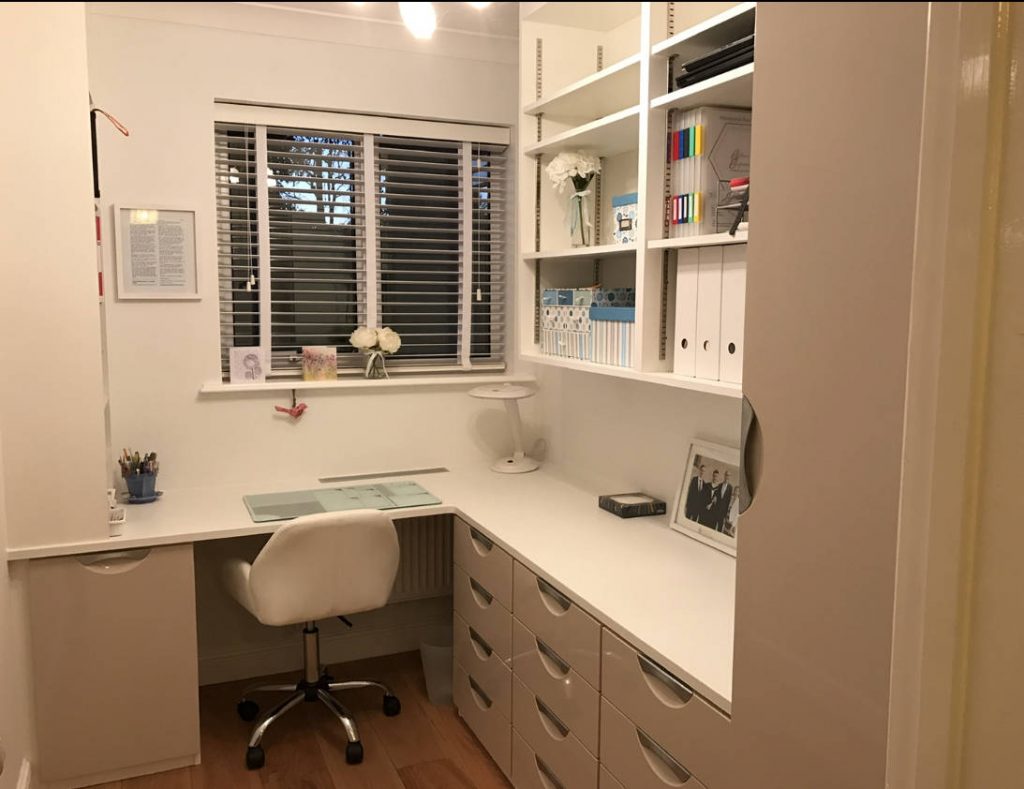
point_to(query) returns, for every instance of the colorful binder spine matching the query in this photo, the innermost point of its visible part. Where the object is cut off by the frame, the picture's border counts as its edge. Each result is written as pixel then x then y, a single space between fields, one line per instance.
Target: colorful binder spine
pixel 687 208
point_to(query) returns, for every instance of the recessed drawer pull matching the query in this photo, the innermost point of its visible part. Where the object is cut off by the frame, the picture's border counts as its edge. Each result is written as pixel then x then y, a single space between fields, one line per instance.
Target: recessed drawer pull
pixel 479 645
pixel 671 772
pixel 480 593
pixel 485 542
pixel 548 591
pixel 548 778
pixel 548 717
pixel 681 692
pixel 481 698
pixel 549 657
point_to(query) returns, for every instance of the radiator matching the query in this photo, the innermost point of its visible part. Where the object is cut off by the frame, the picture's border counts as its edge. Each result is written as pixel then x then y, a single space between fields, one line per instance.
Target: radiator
pixel 425 568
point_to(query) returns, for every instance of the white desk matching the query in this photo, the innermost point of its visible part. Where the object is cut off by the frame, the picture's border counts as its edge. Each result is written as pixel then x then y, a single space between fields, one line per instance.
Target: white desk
pixel 671 596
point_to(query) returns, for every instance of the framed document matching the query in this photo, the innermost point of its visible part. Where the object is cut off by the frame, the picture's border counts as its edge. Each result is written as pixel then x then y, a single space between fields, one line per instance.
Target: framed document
pixel 156 253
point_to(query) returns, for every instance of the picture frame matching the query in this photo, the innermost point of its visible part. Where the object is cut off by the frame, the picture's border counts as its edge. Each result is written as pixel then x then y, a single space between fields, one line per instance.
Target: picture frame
pixel 707 502
pixel 155 253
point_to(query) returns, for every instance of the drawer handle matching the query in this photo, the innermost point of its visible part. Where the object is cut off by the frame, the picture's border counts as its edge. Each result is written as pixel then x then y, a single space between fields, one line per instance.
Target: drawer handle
pixel 669 691
pixel 551 661
pixel 547 777
pixel 478 538
pixel 479 645
pixel 548 719
pixel 483 597
pixel 483 701
pixel 548 592
pixel 667 769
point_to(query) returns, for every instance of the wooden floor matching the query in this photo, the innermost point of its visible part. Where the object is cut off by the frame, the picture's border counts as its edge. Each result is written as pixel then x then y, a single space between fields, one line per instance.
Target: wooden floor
pixel 425 747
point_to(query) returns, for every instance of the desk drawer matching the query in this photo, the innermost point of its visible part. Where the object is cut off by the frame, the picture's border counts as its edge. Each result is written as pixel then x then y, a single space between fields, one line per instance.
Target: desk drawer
pixel 560 623
pixel 552 740
pixel 481 661
pixel 695 733
pixel 482 611
pixel 529 771
pixel 491 728
pixel 608 781
pixel 636 759
pixel 482 559
pixel 549 676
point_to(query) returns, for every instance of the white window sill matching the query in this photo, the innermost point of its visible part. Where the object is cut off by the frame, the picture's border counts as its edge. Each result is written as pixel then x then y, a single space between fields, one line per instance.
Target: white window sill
pixel 466 380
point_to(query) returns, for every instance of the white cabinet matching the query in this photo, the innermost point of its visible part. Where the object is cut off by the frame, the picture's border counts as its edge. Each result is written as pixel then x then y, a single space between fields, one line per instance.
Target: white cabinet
pixel 114 654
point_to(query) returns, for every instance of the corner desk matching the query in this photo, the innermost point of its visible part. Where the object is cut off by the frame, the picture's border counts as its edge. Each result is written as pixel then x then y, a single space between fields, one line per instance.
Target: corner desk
pixel 548 589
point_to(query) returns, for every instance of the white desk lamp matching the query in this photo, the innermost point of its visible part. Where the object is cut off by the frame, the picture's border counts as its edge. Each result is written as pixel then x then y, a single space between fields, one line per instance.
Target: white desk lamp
pixel 518 463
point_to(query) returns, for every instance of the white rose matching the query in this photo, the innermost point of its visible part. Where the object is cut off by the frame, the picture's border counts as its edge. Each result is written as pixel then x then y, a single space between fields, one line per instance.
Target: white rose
pixel 389 340
pixel 363 338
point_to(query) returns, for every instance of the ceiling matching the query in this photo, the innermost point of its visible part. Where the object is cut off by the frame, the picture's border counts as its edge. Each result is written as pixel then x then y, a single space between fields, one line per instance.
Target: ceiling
pixel 499 19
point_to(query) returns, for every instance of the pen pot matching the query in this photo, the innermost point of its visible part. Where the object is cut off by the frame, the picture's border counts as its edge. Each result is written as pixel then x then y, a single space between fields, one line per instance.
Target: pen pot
pixel 141 486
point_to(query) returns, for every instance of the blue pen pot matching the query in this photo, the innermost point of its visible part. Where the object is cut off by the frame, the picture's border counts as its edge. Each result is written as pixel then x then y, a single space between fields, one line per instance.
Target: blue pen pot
pixel 141 486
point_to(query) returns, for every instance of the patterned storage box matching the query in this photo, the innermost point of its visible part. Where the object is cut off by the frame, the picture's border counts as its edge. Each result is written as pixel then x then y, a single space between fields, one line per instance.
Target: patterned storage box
pixel 625 217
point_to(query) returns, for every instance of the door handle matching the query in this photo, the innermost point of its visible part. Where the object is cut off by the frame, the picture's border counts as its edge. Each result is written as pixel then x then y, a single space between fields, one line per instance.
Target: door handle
pixel 750 454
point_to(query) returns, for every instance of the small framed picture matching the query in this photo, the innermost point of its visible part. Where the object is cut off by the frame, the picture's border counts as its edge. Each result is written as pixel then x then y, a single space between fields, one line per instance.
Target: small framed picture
pixel 155 250
pixel 708 502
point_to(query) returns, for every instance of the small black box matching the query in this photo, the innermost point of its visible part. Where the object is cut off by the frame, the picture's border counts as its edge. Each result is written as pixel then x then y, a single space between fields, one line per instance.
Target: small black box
pixel 631 505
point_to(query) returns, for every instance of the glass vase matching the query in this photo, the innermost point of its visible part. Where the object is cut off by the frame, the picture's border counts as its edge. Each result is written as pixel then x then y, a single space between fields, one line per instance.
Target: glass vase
pixel 580 223
pixel 375 367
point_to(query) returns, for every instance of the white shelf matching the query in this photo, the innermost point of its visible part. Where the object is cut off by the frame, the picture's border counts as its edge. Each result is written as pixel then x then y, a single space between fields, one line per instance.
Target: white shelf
pixel 595 16
pixel 662 379
pixel 602 251
pixel 732 89
pixel 594 96
pixel 709 240
pixel 607 136
pixel 710 34
pixel 400 381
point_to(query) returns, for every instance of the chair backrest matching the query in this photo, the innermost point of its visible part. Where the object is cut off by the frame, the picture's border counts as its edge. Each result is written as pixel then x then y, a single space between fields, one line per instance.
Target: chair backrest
pixel 324 565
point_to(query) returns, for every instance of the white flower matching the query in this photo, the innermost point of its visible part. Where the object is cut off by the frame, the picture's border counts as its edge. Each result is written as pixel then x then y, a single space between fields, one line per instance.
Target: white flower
pixel 363 338
pixel 572 164
pixel 389 340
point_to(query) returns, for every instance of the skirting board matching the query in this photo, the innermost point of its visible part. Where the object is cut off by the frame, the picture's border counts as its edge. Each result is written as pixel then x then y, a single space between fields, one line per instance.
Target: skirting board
pixel 340 648
pixel 124 773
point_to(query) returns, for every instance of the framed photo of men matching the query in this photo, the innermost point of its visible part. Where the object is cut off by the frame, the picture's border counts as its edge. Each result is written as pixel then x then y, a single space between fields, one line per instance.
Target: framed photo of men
pixel 708 502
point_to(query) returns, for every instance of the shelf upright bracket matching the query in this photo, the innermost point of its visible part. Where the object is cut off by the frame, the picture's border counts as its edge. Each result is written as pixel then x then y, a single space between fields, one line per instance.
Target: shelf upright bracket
pixel 538 87
pixel 666 255
pixel 600 57
pixel 595 239
pixel 597 272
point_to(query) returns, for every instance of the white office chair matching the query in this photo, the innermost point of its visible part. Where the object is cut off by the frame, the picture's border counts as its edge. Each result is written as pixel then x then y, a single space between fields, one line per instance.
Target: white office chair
pixel 315 567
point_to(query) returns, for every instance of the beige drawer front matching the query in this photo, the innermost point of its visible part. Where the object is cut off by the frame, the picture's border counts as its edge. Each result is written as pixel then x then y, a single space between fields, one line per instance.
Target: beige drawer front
pixel 561 623
pixel 688 727
pixel 481 715
pixel 636 759
pixel 551 740
pixel 483 663
pixel 482 559
pixel 482 611
pixel 606 780
pixel 549 676
pixel 529 771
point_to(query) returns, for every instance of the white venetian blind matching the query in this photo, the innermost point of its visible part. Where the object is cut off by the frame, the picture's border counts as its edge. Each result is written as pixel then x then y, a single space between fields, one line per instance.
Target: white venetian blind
pixel 296 266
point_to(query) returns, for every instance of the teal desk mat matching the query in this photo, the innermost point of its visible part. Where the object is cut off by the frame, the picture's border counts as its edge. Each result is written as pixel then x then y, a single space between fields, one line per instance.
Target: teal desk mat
pixel 266 507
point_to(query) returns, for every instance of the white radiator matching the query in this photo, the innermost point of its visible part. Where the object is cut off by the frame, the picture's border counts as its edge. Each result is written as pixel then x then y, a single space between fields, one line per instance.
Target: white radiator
pixel 425 568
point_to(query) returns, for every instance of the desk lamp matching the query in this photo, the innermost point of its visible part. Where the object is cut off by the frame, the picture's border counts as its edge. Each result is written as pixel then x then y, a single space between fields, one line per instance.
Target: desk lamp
pixel 518 462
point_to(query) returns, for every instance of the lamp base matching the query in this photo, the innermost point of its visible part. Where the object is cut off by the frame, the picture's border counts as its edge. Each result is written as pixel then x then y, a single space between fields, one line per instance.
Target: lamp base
pixel 515 465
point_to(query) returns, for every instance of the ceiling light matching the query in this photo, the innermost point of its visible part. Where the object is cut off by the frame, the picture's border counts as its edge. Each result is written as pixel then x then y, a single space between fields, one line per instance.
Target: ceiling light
pixel 479 6
pixel 419 18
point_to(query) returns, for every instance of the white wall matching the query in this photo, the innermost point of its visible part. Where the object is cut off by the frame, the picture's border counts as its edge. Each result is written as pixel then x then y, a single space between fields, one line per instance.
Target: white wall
pixel 158 68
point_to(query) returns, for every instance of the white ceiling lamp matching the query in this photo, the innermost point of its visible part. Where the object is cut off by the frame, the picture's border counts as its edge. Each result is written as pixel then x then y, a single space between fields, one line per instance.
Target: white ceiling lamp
pixel 479 6
pixel 419 18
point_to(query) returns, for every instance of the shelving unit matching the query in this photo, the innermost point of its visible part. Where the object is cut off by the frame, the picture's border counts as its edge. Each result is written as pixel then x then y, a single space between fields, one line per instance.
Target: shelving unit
pixel 732 89
pixel 620 113
pixel 608 136
pixel 595 96
pixel 577 253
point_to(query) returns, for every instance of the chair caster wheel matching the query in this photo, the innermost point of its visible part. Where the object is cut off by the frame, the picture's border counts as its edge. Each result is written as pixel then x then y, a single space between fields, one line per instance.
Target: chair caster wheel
pixel 392 706
pixel 248 710
pixel 354 752
pixel 255 758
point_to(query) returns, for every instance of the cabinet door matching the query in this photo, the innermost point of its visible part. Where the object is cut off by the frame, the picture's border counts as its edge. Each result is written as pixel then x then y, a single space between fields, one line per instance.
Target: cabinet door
pixel 114 654
pixel 828 306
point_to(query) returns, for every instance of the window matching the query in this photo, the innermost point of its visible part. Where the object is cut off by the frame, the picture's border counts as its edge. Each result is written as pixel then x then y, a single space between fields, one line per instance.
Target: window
pixel 323 231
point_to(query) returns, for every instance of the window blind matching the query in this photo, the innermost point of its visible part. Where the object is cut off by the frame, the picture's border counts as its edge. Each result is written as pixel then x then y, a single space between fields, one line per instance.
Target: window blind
pixel 303 263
